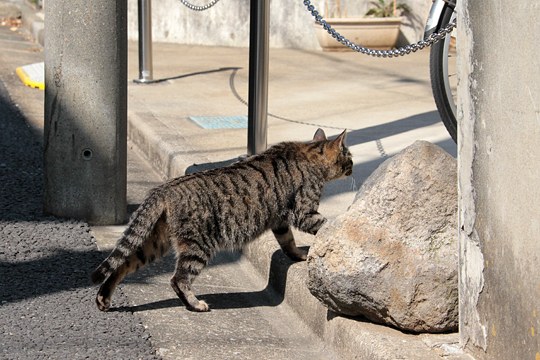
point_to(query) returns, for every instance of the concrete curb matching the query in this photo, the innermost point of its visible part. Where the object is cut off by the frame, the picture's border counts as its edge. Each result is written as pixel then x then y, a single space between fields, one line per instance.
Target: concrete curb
pixel 352 339
pixel 162 146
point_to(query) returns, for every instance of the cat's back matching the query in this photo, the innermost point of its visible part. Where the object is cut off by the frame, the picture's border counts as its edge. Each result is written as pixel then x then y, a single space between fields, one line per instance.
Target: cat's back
pixel 265 167
pixel 265 178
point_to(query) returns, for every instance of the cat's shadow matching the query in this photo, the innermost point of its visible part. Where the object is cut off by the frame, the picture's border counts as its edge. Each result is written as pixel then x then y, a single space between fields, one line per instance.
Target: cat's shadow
pixel 272 295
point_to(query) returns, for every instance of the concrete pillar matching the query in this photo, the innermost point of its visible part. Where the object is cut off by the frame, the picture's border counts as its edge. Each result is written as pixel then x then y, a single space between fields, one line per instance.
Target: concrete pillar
pixel 499 178
pixel 86 110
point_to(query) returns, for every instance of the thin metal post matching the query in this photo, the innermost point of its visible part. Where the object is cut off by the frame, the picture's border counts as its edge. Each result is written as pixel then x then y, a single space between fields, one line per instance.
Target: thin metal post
pixel 145 42
pixel 258 76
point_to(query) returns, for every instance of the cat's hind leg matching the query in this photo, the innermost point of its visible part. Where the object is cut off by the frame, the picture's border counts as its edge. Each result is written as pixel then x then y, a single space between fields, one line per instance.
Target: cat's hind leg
pixel 103 298
pixel 130 264
pixel 155 247
pixel 189 263
pixel 285 238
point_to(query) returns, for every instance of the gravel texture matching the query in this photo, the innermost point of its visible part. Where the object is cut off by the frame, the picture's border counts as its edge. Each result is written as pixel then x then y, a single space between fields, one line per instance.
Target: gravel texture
pixel 47 308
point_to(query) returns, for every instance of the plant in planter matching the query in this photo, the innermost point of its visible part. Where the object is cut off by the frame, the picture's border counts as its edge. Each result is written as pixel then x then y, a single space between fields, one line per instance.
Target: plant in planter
pixel 383 9
pixel 379 29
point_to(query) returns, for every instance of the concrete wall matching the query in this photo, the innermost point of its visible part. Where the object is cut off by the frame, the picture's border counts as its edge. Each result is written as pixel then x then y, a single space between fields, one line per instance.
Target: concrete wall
pixel 499 178
pixel 227 23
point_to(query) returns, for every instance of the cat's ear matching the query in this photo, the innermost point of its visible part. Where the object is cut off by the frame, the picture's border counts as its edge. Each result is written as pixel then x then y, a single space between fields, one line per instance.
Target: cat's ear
pixel 319 135
pixel 340 140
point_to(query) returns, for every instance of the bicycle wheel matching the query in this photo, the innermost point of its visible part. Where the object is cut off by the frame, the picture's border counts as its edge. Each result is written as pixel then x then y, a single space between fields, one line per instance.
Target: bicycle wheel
pixel 443 73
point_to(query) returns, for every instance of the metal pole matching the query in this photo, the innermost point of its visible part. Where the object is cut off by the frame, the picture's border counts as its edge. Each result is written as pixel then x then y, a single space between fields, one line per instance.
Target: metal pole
pixel 145 42
pixel 258 76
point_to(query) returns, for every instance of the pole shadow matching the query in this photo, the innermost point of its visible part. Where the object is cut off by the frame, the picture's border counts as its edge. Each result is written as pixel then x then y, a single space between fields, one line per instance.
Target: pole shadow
pixel 205 72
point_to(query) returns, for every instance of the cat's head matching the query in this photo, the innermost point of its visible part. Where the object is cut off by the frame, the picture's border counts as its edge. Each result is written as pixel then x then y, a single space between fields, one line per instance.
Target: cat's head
pixel 334 154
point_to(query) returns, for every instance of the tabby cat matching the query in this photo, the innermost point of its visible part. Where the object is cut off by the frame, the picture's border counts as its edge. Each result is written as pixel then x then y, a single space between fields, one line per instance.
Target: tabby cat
pixel 223 209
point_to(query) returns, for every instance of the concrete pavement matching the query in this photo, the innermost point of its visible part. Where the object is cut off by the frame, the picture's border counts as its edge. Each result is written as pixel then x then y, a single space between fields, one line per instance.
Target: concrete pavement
pixel 262 307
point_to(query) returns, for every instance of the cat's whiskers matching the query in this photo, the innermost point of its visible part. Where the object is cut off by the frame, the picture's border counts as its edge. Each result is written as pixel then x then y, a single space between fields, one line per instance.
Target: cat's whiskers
pixel 353 184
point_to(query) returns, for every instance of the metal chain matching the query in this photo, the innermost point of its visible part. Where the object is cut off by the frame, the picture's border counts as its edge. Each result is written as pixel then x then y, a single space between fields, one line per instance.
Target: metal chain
pixel 380 148
pixel 430 40
pixel 197 7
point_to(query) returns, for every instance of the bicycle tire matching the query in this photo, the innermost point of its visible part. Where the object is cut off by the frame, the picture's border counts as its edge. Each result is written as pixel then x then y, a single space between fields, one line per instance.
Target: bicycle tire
pixel 439 74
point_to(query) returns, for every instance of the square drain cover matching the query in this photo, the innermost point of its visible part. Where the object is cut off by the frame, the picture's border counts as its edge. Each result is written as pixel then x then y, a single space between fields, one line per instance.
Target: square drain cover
pixel 221 122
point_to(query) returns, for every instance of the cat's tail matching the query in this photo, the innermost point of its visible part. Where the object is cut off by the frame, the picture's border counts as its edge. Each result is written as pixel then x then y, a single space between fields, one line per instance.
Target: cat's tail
pixel 139 229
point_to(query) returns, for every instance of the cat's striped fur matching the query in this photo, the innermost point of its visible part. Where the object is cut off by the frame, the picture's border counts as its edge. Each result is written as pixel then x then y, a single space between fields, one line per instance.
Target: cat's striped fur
pixel 225 208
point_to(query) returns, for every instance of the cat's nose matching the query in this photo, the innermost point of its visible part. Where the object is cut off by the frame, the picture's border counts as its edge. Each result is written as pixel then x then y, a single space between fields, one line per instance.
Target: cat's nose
pixel 348 168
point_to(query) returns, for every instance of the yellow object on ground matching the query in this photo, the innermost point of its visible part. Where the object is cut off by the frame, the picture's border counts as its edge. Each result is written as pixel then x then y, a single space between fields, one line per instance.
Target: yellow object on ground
pixel 32 75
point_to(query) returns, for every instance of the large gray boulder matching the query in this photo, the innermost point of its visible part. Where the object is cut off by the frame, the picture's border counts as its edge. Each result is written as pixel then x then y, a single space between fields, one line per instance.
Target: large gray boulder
pixel 393 257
